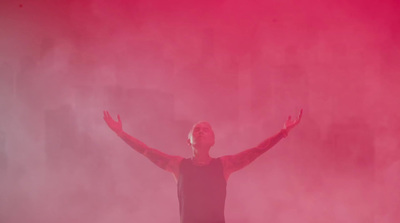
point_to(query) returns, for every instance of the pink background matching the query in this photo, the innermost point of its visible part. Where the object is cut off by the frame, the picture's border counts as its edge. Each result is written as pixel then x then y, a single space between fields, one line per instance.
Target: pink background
pixel 244 66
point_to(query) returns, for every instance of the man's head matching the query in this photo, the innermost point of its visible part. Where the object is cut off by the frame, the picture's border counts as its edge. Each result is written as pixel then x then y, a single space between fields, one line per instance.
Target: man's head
pixel 201 135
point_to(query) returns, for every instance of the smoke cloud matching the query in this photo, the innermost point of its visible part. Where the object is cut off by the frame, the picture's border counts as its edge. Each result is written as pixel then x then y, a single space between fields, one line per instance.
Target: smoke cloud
pixel 244 66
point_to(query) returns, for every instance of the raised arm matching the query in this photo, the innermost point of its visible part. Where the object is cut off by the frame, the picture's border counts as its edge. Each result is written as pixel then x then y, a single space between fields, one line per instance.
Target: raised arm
pixel 236 162
pixel 162 160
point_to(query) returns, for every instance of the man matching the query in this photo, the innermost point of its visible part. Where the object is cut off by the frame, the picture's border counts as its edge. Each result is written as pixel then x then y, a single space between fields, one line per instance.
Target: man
pixel 201 178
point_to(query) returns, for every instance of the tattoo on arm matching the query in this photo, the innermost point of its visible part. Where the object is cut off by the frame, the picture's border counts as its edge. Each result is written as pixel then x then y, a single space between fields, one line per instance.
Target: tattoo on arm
pixel 271 141
pixel 242 159
pixel 160 159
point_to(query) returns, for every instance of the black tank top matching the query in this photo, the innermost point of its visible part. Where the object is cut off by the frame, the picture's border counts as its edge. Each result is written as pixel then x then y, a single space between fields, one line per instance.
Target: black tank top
pixel 201 192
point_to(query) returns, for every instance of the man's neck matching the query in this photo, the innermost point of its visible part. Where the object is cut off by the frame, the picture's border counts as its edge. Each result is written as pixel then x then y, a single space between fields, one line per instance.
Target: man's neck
pixel 201 158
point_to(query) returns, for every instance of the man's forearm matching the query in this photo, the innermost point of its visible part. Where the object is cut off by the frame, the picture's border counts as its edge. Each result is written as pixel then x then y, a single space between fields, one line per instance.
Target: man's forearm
pixel 159 158
pixel 264 146
pixel 136 144
pixel 271 141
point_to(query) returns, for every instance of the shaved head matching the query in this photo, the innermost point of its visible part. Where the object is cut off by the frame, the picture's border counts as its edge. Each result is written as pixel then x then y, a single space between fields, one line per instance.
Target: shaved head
pixel 197 124
pixel 201 132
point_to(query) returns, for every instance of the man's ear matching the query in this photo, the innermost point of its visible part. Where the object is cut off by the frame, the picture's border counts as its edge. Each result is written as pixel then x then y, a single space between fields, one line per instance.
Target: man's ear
pixel 188 142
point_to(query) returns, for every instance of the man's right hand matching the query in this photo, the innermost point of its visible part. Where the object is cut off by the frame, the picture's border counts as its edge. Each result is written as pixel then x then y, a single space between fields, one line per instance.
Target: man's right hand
pixel 116 126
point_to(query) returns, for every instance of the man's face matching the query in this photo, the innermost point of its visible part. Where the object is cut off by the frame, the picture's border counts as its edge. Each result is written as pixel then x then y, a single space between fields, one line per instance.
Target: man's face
pixel 202 134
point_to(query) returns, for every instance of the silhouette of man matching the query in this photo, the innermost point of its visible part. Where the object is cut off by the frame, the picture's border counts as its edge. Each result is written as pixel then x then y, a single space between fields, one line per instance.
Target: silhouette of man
pixel 201 179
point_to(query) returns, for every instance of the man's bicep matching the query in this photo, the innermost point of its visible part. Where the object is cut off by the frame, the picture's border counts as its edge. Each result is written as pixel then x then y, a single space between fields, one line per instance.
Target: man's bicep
pixel 236 162
pixel 163 160
pixel 231 164
pixel 174 164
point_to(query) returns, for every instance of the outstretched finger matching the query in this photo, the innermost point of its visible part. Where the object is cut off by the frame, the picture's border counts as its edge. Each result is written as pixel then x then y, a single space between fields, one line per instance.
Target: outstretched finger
pixel 301 114
pixel 109 116
pixel 105 115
